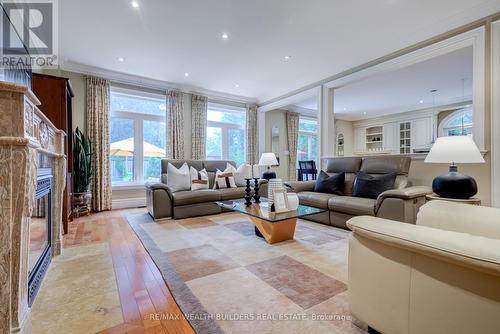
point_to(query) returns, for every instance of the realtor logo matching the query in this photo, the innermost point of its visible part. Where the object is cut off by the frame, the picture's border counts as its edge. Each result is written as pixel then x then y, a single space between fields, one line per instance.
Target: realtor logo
pixel 29 27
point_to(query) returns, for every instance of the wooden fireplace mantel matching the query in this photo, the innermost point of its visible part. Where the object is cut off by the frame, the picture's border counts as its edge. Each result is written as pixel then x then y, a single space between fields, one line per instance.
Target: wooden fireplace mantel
pixel 26 135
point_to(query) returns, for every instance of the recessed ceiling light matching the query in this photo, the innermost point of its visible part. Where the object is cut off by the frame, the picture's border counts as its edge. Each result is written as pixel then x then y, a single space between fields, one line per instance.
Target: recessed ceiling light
pixel 186 74
pixel 135 4
pixel 225 36
pixel 121 59
pixel 287 57
pixel 345 109
pixel 237 86
pixel 421 101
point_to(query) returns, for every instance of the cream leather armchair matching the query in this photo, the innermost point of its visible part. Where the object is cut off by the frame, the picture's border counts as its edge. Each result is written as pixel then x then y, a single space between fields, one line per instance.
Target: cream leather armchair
pixel 441 275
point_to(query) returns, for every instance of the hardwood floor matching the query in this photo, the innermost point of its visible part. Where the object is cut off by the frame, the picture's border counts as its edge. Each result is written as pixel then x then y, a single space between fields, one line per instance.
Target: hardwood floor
pixel 146 303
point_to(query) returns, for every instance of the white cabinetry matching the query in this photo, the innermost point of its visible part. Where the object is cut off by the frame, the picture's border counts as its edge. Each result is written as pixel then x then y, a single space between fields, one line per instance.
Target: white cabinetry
pixel 398 134
pixel 422 133
pixel 359 140
pixel 390 137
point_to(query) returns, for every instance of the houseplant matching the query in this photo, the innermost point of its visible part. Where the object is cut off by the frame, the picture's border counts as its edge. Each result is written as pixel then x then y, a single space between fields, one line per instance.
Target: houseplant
pixel 82 166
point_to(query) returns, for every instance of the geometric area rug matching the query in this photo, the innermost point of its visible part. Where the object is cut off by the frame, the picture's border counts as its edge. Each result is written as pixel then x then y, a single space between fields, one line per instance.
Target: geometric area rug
pixel 225 279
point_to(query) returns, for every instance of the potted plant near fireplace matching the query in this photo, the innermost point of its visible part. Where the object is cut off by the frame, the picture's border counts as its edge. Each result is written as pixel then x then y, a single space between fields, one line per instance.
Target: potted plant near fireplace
pixel 82 166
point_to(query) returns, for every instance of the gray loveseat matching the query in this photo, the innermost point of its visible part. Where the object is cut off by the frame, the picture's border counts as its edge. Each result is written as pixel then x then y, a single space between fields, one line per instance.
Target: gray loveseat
pixel 401 203
pixel 163 203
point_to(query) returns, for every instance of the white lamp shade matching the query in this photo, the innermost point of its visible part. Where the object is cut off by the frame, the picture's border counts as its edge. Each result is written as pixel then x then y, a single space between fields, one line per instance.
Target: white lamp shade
pixel 268 159
pixel 456 149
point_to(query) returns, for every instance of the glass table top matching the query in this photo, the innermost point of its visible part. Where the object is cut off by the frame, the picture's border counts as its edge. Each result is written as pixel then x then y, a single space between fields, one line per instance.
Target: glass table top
pixel 262 211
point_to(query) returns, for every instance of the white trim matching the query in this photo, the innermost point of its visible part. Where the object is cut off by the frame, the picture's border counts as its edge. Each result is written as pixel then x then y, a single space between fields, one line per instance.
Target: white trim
pixel 495 114
pixel 291 100
pixel 161 85
pixel 456 113
pixel 474 38
pixel 127 203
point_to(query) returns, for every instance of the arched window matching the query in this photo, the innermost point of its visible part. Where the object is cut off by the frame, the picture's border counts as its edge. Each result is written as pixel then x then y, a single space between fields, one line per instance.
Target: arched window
pixel 459 123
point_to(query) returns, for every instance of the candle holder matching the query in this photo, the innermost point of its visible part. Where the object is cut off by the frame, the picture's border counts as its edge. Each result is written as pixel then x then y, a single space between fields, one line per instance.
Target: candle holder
pixel 248 190
pixel 256 196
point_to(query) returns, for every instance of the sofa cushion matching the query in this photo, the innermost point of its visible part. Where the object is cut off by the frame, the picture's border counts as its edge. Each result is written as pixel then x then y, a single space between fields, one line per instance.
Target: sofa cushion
pixel 231 193
pixel 368 186
pixel 193 197
pixel 316 200
pixel 330 184
pixel 178 179
pixel 356 206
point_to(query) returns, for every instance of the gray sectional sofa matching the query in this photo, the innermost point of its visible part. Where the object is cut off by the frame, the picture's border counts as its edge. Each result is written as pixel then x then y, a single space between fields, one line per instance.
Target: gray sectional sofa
pixel 401 203
pixel 163 203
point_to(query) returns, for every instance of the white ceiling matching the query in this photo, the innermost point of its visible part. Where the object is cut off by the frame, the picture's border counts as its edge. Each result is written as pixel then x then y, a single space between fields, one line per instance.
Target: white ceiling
pixel 409 88
pixel 163 39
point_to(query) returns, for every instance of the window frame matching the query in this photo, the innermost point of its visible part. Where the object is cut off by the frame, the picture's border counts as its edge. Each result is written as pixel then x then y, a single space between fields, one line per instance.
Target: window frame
pixel 138 121
pixel 217 107
pixel 443 129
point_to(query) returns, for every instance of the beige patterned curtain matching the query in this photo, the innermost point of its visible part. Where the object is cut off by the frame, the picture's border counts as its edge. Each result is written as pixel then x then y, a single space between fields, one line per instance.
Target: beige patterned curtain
pixel 175 125
pixel 199 106
pixel 97 106
pixel 292 126
pixel 251 134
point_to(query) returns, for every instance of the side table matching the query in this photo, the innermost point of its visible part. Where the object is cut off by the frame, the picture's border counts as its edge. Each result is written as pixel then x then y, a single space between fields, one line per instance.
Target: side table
pixel 471 201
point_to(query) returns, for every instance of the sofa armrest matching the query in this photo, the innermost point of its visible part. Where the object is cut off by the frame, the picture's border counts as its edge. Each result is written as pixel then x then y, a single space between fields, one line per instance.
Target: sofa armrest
pixel 300 186
pixel 158 200
pixel 404 194
pixel 158 185
pixel 474 252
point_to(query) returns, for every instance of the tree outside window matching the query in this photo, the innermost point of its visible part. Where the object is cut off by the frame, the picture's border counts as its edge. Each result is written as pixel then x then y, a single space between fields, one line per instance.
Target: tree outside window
pixel 226 133
pixel 307 146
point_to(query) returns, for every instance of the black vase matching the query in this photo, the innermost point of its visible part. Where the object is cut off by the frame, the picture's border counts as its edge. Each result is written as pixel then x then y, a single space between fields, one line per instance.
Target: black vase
pixel 454 185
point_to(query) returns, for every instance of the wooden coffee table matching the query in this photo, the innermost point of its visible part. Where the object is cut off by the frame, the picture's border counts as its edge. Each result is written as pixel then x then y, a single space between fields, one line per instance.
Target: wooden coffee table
pixel 273 227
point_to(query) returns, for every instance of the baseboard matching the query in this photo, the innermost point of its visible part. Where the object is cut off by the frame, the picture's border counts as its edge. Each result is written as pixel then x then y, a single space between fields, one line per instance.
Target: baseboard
pixel 126 203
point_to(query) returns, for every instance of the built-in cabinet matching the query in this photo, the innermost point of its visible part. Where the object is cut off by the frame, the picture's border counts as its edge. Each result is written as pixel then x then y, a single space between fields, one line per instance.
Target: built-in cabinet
pixel 394 135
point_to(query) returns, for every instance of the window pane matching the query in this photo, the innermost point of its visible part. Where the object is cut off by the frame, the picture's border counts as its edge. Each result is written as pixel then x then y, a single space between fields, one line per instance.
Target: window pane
pixel 138 104
pixel 227 117
pixel 153 149
pixel 236 145
pixel 226 133
pixel 214 143
pixel 309 125
pixel 302 148
pixel 122 149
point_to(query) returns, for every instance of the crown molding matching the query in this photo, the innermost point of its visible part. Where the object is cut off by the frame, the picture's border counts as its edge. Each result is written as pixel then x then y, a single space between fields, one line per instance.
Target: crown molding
pixel 135 80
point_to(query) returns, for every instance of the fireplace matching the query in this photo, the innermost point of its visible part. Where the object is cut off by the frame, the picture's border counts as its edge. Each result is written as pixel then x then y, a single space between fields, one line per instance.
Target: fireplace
pixel 40 227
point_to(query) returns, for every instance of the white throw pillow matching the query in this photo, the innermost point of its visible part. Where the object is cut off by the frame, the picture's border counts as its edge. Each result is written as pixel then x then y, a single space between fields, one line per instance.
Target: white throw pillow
pixel 224 179
pixel 239 174
pixel 178 179
pixel 199 179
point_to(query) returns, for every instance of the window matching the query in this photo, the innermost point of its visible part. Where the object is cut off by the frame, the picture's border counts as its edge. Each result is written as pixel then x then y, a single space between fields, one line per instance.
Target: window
pixel 137 136
pixel 459 123
pixel 307 147
pixel 226 133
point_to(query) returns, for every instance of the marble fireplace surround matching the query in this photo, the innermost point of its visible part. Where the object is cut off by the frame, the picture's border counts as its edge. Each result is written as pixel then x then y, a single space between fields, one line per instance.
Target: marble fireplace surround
pixel 25 133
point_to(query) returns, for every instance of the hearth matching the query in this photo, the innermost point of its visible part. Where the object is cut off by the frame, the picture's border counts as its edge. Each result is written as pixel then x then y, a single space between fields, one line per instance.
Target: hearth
pixel 40 227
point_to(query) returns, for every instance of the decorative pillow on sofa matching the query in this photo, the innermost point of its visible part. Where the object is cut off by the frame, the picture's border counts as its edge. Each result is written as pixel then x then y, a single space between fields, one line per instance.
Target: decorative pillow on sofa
pixel 368 186
pixel 330 184
pixel 178 179
pixel 199 179
pixel 239 174
pixel 224 179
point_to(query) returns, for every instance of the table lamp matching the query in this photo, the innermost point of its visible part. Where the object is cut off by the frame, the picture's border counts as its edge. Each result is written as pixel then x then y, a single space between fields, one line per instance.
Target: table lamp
pixel 268 160
pixel 453 150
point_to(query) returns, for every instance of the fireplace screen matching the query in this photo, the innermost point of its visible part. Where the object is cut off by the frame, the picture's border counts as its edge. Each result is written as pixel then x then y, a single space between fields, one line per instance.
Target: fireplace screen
pixel 40 251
